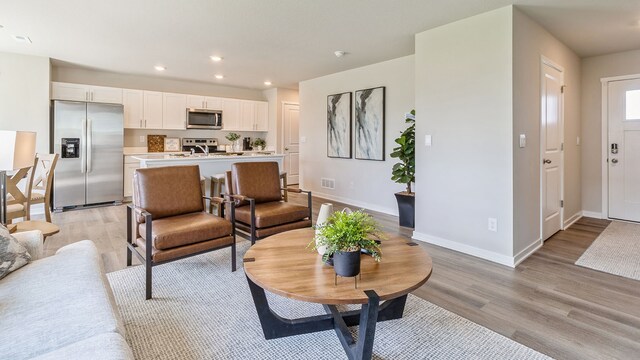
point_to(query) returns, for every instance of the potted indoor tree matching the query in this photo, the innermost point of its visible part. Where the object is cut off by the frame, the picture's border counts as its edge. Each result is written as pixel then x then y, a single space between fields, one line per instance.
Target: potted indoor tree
pixel 345 235
pixel 404 171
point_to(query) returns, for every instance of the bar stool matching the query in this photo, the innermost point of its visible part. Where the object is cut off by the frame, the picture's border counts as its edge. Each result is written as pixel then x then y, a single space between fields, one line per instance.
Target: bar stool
pixel 215 190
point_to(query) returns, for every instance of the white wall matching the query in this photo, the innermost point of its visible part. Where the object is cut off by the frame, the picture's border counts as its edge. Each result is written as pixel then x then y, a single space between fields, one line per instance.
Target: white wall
pixel 24 95
pixel 464 100
pixel 361 183
pixel 530 43
pixel 594 69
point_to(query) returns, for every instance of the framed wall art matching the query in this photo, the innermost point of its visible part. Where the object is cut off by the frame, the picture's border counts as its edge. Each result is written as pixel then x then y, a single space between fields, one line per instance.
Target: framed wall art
pixel 369 124
pixel 339 125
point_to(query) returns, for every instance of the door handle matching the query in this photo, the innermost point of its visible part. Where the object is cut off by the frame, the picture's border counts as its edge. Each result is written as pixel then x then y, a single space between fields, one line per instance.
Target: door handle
pixel 286 148
pixel 83 148
pixel 89 144
pixel 615 161
pixel 546 161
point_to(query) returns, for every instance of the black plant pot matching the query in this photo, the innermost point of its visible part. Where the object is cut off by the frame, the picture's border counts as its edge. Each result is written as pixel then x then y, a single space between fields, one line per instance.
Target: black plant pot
pixel 406 209
pixel 346 263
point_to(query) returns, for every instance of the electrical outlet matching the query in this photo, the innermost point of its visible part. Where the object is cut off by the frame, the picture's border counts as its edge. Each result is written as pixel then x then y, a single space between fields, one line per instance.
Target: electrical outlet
pixel 492 225
pixel 142 138
pixel 427 140
pixel 303 139
pixel 578 140
pixel 523 140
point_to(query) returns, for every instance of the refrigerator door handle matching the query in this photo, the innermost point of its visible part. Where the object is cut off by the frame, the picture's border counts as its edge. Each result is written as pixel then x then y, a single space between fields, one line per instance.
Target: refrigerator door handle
pixel 89 145
pixel 83 147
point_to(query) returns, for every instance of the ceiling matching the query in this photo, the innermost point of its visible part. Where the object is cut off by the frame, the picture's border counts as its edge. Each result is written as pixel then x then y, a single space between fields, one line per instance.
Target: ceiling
pixel 284 41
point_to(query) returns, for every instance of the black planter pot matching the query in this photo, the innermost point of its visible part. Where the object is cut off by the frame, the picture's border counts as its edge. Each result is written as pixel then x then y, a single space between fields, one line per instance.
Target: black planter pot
pixel 346 263
pixel 406 209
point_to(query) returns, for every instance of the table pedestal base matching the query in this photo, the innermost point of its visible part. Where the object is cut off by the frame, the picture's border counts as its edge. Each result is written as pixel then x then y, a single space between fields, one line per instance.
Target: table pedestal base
pixel 274 326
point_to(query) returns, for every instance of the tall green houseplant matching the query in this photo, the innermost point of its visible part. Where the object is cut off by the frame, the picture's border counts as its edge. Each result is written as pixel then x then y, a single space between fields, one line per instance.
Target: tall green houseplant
pixel 404 172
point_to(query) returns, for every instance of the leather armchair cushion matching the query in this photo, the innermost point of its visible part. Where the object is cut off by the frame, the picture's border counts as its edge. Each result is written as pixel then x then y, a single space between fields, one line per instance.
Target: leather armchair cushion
pixel 168 191
pixel 175 253
pixel 272 214
pixel 186 229
pixel 257 180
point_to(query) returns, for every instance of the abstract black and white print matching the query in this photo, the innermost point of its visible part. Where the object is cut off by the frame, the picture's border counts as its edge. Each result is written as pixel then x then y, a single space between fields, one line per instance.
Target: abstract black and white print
pixel 369 124
pixel 339 125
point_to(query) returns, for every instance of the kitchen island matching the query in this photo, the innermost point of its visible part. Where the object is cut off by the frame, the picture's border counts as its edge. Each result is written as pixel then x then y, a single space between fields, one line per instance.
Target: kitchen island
pixel 209 164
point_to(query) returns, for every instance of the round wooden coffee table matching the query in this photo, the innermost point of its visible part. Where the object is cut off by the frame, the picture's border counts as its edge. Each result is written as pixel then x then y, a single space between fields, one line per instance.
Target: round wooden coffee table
pixel 46 228
pixel 283 264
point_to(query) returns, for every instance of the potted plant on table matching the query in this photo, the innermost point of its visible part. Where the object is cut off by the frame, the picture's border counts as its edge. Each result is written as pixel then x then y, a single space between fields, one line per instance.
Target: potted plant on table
pixel 404 172
pixel 345 235
pixel 259 144
pixel 234 137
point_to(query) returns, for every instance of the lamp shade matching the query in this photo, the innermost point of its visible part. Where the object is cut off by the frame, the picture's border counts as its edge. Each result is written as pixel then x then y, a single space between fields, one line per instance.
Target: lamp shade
pixel 17 149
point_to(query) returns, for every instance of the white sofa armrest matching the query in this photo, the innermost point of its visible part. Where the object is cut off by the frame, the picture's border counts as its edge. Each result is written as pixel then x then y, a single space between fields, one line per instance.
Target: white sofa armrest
pixel 32 241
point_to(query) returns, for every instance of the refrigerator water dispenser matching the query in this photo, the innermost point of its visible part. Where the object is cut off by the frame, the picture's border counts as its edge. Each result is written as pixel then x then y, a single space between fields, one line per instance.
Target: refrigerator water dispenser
pixel 70 148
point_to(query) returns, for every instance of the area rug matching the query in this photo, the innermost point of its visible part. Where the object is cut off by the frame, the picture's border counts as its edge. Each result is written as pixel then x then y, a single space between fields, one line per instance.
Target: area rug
pixel 201 310
pixel 616 251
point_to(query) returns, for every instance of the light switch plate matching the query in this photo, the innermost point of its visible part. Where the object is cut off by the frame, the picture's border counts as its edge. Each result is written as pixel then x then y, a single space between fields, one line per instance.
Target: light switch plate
pixel 427 140
pixel 578 140
pixel 523 140
pixel 143 139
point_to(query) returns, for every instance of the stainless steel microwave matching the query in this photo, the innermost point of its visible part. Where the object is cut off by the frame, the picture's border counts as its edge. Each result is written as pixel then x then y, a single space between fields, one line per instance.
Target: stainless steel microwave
pixel 204 119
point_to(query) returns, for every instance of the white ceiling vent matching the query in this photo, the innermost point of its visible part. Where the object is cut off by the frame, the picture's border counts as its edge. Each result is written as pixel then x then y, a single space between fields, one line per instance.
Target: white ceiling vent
pixel 328 183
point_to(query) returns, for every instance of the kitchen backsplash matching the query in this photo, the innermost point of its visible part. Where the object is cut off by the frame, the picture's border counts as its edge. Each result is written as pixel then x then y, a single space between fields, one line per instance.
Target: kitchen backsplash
pixel 138 137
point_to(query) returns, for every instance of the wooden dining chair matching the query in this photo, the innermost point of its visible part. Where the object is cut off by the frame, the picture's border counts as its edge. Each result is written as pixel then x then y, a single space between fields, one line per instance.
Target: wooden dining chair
pixel 17 199
pixel 41 181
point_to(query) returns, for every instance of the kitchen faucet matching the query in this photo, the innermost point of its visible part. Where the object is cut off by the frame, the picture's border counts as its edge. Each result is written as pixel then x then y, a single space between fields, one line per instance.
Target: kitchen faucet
pixel 204 149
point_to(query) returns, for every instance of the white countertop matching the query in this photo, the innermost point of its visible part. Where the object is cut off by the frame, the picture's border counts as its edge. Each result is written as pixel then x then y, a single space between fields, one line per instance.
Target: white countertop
pixel 161 157
pixel 128 151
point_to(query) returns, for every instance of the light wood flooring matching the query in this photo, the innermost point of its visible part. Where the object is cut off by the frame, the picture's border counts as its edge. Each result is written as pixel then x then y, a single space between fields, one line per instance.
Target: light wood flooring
pixel 547 303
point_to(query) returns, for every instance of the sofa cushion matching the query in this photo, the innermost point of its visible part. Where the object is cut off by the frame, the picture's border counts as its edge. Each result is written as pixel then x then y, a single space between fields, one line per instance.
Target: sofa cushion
pixel 12 255
pixel 108 346
pixel 168 233
pixel 273 213
pixel 55 302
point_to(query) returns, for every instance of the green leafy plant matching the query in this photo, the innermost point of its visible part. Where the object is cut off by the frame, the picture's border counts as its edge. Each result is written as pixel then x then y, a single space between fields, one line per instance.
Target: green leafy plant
pixel 349 232
pixel 232 137
pixel 258 142
pixel 404 172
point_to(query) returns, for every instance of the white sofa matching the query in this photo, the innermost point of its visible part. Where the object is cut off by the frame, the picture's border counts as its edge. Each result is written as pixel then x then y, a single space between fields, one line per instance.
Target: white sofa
pixel 60 307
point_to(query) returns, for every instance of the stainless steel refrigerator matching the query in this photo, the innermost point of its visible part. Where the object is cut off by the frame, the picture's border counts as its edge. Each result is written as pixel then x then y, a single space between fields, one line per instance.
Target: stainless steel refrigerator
pixel 89 139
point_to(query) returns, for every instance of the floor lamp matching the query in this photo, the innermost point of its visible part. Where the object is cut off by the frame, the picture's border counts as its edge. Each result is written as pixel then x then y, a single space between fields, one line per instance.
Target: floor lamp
pixel 17 151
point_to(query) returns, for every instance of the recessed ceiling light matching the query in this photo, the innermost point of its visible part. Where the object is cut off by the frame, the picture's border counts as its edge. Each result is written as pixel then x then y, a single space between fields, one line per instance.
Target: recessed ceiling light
pixel 216 58
pixel 160 68
pixel 22 39
pixel 268 83
pixel 339 53
pixel 219 76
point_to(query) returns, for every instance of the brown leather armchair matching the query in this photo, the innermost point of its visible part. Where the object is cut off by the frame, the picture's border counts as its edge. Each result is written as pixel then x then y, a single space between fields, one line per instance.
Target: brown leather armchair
pixel 170 221
pixel 260 210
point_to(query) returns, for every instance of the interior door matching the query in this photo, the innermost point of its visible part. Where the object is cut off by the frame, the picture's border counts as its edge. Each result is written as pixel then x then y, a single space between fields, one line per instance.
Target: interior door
pixel 290 122
pixel 104 153
pixel 624 149
pixel 551 146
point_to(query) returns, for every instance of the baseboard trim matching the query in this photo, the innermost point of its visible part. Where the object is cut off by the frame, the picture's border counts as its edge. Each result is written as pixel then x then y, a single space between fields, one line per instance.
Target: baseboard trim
pixel 466 249
pixel 528 251
pixel 570 221
pixel 592 214
pixel 356 203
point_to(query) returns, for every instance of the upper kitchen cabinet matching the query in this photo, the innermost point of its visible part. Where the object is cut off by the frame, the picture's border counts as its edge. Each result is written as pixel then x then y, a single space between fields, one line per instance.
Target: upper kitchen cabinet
pixel 254 115
pixel 174 114
pixel 231 114
pixel 89 93
pixel 204 102
pixel 143 109
pixel 262 116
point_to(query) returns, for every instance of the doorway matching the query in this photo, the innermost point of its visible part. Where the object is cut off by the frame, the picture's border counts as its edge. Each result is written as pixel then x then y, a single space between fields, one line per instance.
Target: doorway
pixel 291 141
pixel 551 147
pixel 622 148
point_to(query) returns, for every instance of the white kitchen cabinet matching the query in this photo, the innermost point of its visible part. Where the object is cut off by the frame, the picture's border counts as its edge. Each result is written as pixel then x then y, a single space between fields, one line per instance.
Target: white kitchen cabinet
pixel 262 116
pixel 89 93
pixel 247 115
pixel 152 109
pixel 174 112
pixel 142 109
pixel 204 102
pixel 133 108
pixel 130 166
pixel 231 114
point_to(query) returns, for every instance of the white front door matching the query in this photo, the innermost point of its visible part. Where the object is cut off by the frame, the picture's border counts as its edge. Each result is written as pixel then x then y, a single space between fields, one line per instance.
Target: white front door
pixel 291 129
pixel 624 149
pixel 551 150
